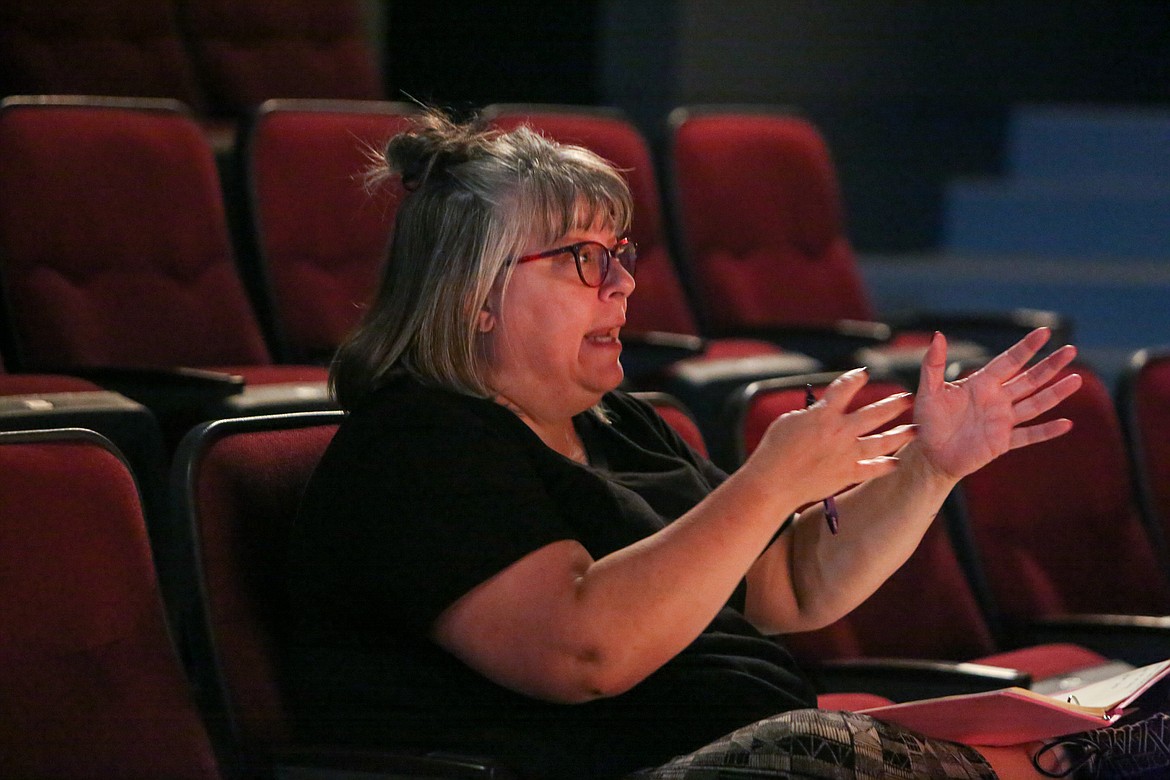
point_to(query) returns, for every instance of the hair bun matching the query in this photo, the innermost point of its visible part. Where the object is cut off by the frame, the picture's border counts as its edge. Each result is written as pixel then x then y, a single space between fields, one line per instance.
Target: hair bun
pixel 432 148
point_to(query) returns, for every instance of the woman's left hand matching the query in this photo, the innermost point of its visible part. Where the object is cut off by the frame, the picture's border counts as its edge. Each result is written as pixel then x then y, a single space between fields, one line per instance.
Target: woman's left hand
pixel 966 424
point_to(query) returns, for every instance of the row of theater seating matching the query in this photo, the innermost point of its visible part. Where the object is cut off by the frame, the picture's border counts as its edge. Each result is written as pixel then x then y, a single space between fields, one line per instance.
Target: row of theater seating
pixel 101 679
pixel 133 183
pixel 124 258
pixel 120 660
pixel 220 57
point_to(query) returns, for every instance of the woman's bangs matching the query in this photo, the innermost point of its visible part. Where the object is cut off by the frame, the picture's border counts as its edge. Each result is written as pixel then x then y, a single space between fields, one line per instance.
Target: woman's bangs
pixel 578 206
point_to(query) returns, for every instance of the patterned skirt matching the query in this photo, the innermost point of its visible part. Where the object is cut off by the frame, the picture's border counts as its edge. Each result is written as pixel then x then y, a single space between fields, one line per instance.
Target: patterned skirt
pixel 824 744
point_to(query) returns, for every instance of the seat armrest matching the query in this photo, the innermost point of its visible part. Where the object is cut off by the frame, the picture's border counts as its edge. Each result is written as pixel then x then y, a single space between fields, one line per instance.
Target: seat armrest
pixel 329 763
pixel 902 679
pixel 648 353
pixel 835 345
pixel 1136 639
pixel 167 387
pixel 995 331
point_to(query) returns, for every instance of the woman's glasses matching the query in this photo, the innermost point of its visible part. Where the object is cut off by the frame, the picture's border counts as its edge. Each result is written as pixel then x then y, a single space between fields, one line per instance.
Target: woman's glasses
pixel 593 259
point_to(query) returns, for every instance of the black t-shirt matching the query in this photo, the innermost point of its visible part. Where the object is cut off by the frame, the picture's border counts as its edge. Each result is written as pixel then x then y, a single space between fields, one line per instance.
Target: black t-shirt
pixel 424 494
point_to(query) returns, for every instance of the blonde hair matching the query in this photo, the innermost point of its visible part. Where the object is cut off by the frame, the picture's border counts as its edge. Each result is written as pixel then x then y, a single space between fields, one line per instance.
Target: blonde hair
pixel 476 198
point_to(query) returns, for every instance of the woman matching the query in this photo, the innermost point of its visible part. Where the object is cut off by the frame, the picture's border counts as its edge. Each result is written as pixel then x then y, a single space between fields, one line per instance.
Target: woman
pixel 500 555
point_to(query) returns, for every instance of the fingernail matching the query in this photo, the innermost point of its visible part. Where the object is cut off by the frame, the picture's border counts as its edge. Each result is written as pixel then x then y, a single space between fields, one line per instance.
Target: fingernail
pixel 881 459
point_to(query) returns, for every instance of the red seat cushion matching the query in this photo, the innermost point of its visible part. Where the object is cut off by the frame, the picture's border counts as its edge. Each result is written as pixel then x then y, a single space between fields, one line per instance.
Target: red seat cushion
pixel 131 48
pixel 247 51
pixel 1037 515
pixel 322 234
pixel 761 219
pixel 1151 399
pixel 122 256
pixel 89 683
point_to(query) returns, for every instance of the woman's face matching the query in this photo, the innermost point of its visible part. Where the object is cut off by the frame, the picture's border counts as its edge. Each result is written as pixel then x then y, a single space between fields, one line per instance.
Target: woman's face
pixel 554 346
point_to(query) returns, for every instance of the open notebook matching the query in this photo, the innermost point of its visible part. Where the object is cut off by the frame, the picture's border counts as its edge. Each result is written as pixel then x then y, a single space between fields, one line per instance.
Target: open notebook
pixel 1013 715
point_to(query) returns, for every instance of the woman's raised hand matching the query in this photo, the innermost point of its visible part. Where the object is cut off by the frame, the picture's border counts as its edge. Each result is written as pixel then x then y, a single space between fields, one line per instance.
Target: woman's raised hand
pixel 823 449
pixel 964 425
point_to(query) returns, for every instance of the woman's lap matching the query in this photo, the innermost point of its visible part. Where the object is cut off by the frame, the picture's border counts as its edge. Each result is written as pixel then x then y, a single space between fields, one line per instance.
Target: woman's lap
pixel 824 744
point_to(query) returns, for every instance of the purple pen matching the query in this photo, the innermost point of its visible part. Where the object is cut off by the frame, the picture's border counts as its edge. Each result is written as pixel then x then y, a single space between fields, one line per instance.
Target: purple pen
pixel 830 503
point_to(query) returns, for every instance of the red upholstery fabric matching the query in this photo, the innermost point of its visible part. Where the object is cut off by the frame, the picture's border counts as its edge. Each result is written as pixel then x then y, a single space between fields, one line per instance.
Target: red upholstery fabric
pixel 659 302
pixel 678 417
pixel 1048 660
pixel 276 374
pixel 851 702
pixel 114 240
pixel 1040 515
pixel 930 586
pixel 1150 429
pixel 245 489
pixel 770 400
pixel 35 384
pixel 247 51
pixel 90 685
pixel 321 234
pixel 760 215
pixel 114 47
pixel 948 623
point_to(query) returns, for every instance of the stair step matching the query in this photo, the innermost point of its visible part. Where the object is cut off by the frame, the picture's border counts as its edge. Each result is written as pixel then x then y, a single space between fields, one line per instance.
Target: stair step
pixel 1049 142
pixel 1058 218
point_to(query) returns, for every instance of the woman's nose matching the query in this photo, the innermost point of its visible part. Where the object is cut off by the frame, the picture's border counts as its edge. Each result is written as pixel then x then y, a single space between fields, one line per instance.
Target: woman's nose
pixel 617 281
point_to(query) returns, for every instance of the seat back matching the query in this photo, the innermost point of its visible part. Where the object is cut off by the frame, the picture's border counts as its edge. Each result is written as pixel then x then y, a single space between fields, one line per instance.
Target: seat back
pixel 114 248
pixel 678 417
pixel 320 234
pixel 238 484
pixel 759 220
pixel 90 684
pixel 660 303
pixel 1144 404
pixel 950 628
pixel 1056 525
pixel 131 48
pixel 249 51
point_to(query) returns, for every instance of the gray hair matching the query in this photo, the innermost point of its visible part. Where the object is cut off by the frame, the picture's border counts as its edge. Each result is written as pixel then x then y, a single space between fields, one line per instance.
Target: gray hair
pixel 476 198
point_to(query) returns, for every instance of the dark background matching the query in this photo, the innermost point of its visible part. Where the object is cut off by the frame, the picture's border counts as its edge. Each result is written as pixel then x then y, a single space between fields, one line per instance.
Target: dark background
pixel 909 94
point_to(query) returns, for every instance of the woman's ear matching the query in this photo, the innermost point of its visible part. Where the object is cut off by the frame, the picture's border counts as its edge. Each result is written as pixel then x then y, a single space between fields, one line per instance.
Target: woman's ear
pixel 485 320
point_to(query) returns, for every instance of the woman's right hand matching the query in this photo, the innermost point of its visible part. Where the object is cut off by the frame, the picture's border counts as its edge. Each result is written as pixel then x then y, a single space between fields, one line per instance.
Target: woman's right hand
pixel 819 451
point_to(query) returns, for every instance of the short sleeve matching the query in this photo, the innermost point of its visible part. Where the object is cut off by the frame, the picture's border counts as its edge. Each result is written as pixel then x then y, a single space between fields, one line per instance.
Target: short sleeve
pixel 405 521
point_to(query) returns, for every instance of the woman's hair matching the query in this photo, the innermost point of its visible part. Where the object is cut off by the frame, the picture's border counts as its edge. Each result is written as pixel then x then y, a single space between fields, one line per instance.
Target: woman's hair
pixel 476 198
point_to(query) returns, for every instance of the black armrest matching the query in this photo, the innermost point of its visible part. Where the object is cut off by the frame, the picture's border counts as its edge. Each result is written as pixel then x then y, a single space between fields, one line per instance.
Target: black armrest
pixel 902 679
pixel 704 387
pixel 995 331
pixel 835 345
pixel 163 387
pixel 1136 639
pixel 323 763
pixel 648 353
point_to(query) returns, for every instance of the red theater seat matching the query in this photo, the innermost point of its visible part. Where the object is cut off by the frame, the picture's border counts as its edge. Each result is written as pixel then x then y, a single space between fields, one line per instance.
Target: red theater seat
pixel 249 51
pixel 238 484
pixel 761 223
pixel 927 610
pixel 1144 404
pixel 1060 537
pixel 90 684
pixel 117 262
pixel 320 233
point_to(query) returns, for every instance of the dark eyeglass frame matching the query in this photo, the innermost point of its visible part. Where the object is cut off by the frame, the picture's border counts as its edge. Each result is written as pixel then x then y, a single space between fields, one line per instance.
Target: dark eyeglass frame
pixel 624 251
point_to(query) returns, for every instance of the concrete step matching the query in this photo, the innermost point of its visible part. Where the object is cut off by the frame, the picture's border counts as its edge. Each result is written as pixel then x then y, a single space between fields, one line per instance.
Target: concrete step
pixel 1088 142
pixel 1103 218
